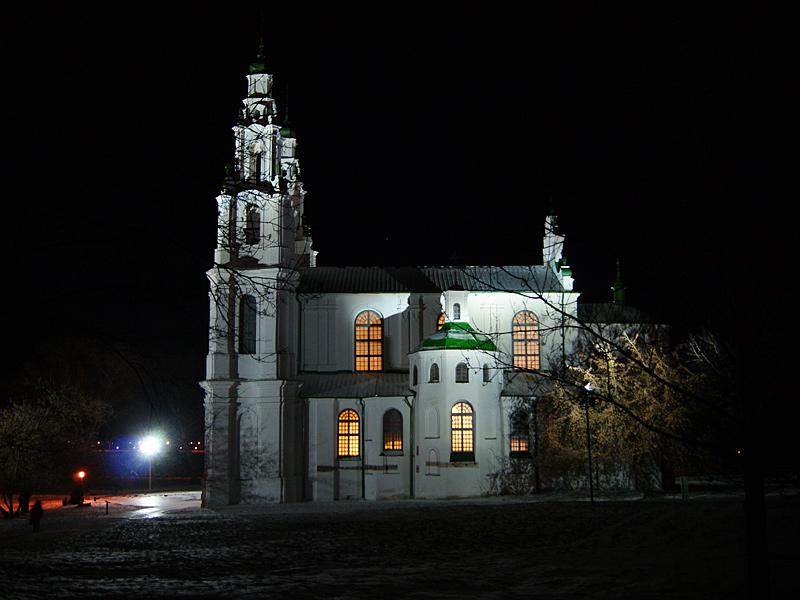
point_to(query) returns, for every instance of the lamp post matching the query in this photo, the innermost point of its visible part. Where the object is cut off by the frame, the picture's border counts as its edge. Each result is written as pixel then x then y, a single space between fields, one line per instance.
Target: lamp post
pixel 150 446
pixel 587 398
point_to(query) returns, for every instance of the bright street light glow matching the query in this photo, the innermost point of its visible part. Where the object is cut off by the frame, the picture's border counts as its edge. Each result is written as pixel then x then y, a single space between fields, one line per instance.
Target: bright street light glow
pixel 81 474
pixel 150 445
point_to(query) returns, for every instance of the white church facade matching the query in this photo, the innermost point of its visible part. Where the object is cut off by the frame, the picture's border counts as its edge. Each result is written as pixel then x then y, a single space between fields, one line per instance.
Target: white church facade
pixel 336 383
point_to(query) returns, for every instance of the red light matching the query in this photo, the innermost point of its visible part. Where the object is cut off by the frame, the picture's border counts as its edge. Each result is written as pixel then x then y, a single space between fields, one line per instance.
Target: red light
pixel 81 474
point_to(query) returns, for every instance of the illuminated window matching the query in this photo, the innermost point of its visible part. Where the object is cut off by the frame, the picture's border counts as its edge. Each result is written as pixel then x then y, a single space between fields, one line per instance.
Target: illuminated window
pixel 348 434
pixel 461 432
pixel 519 435
pixel 369 341
pixel 486 374
pixel 392 430
pixel 415 376
pixel 252 227
pixel 247 325
pixel 525 340
pixel 456 311
pixel 434 378
pixel 440 322
pixel 462 373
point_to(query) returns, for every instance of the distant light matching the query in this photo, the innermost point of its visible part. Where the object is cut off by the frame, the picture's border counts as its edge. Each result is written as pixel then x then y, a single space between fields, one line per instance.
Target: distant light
pixel 81 475
pixel 150 445
pixel 167 442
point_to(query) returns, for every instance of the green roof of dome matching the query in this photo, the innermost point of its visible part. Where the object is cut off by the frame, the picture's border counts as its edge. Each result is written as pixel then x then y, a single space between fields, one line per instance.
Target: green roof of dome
pixel 458 336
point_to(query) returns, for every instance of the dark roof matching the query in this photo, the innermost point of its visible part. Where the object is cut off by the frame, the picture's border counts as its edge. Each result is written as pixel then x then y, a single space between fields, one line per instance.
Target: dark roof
pixel 353 385
pixel 524 383
pixel 369 385
pixel 608 312
pixel 364 280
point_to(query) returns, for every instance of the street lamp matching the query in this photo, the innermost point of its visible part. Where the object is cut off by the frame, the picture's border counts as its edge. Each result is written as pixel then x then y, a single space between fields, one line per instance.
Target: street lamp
pixel 587 398
pixel 150 446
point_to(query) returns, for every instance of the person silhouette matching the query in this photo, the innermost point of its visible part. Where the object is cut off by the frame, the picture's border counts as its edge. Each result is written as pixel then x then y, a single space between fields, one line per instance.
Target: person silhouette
pixel 36 515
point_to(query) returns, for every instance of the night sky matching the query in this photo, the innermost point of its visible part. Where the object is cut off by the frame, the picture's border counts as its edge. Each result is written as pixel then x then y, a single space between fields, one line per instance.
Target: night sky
pixel 435 136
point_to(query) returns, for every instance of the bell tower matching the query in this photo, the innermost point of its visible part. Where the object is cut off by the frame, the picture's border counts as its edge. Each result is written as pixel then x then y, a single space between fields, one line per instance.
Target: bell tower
pixel 253 448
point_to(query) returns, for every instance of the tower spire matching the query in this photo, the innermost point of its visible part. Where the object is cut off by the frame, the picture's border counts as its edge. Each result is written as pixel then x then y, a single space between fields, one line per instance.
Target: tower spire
pixel 618 289
pixel 259 65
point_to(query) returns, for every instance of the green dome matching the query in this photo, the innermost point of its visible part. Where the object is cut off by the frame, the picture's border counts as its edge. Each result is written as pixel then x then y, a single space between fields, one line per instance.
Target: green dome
pixel 458 336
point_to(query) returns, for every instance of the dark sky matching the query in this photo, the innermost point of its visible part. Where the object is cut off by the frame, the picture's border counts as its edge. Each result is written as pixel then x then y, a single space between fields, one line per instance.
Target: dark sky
pixel 435 136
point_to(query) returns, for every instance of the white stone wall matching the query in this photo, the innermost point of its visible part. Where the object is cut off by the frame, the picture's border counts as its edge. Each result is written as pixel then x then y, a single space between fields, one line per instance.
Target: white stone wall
pixel 436 476
pixel 328 321
pixel 375 474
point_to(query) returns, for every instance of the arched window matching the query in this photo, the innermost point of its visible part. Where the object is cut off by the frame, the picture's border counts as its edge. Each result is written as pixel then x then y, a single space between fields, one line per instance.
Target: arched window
pixel 247 325
pixel 348 446
pixel 252 226
pixel 456 311
pixel 525 340
pixel 462 373
pixel 434 378
pixel 392 430
pixel 255 163
pixel 487 376
pixel 432 464
pixel 414 376
pixel 519 435
pixel 461 432
pixel 369 341
pixel 440 322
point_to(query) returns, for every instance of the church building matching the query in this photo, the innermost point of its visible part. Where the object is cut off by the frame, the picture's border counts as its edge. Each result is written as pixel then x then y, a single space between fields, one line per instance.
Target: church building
pixel 335 383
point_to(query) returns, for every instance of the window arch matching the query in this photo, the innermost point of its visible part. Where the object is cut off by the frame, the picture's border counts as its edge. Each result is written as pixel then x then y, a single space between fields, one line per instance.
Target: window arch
pixel 252 226
pixel 392 430
pixel 525 340
pixel 456 311
pixel 462 373
pixel 519 434
pixel 247 324
pixel 414 376
pixel 487 376
pixel 348 446
pixel 440 321
pixel 255 162
pixel 368 341
pixel 434 375
pixel 462 431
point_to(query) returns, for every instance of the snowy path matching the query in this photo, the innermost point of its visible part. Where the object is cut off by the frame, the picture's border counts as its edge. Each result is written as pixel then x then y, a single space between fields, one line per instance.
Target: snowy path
pixel 165 546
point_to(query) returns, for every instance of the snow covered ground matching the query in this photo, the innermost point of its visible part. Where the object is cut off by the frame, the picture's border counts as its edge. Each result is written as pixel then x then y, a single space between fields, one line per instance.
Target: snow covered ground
pixel 166 546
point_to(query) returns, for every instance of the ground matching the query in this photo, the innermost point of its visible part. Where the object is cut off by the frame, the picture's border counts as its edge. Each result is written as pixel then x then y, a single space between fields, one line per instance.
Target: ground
pixel 165 545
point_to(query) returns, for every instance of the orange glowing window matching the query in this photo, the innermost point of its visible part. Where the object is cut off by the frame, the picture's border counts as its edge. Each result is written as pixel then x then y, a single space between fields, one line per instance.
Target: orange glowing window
pixel 519 432
pixel 525 340
pixel 519 444
pixel 440 322
pixel 369 341
pixel 392 430
pixel 461 428
pixel 348 434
